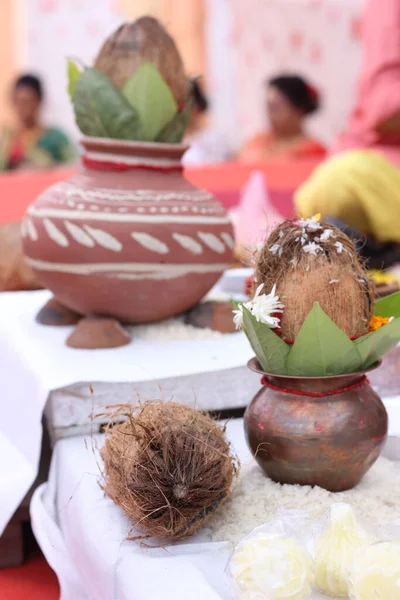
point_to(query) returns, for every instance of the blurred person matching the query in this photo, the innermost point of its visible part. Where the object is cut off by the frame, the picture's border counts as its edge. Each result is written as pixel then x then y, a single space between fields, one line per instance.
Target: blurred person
pixel 359 186
pixel 31 144
pixel 205 145
pixel 289 101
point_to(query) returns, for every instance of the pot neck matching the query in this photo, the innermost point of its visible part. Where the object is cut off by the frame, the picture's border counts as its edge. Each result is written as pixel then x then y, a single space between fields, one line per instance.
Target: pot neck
pixel 119 155
pixel 315 386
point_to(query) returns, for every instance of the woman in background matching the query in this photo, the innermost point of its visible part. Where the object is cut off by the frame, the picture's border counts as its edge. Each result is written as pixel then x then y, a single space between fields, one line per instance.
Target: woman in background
pixel 289 101
pixel 30 144
pixel 360 185
pixel 205 145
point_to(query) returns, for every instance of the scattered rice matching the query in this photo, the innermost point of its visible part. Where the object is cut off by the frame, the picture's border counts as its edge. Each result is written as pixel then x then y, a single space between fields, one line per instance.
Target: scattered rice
pixel 171 330
pixel 256 499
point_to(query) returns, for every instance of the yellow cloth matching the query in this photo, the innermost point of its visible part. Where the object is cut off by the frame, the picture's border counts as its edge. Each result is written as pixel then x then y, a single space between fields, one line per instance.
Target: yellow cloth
pixel 359 187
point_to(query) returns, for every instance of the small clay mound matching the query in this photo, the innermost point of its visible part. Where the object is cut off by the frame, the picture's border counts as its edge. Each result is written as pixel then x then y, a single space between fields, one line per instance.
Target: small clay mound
pixel 144 40
pixel 94 333
pixel 216 316
pixel 57 315
pixel 314 262
pixel 168 466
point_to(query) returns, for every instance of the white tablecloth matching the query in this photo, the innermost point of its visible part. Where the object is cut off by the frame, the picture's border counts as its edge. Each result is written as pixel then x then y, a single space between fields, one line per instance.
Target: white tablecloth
pixel 82 533
pixel 34 361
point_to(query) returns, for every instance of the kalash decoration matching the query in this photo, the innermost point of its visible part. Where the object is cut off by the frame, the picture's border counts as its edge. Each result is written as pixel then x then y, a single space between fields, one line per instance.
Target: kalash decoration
pixel 315 329
pixel 128 238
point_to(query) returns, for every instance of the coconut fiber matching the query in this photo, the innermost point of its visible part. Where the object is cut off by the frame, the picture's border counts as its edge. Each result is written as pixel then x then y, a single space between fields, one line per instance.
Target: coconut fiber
pixel 144 40
pixel 315 262
pixel 168 466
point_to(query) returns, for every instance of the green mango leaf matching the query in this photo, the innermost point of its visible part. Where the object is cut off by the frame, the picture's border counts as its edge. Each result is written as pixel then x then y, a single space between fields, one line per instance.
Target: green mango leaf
pixel 149 95
pixel 388 307
pixel 322 348
pixel 377 343
pixel 73 73
pixel 269 348
pixel 101 111
pixel 175 130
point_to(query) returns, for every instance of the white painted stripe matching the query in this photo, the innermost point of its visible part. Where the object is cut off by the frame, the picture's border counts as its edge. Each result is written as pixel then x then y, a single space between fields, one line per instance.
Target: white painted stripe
pixel 155 275
pixel 228 239
pixel 212 241
pixel 150 242
pixel 79 235
pixel 57 213
pixel 188 243
pixel 72 191
pixel 55 234
pixel 86 269
pixel 132 160
pixel 104 239
pixel 31 229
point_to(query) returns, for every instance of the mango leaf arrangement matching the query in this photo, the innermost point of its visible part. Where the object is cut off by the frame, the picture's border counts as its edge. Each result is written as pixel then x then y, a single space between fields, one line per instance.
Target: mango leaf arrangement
pixel 137 89
pixel 320 347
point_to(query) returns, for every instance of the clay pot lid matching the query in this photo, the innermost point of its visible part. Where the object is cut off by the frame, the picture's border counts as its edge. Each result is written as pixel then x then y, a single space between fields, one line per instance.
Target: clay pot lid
pixel 255 366
pixel 133 148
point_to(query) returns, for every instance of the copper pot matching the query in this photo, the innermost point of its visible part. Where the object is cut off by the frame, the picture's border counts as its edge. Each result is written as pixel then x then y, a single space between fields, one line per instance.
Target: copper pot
pixel 329 441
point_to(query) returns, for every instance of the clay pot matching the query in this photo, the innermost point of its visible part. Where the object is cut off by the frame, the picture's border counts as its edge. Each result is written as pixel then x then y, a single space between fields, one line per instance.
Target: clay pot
pixel 329 441
pixel 128 237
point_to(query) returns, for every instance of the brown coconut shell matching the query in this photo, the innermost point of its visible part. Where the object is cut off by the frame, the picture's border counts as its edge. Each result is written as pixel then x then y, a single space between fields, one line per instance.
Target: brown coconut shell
pixel 337 280
pixel 143 40
pixel 168 466
pixel 15 273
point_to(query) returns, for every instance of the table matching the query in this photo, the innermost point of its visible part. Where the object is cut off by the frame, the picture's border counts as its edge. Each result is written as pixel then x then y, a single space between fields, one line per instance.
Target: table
pixel 82 536
pixel 82 533
pixel 35 362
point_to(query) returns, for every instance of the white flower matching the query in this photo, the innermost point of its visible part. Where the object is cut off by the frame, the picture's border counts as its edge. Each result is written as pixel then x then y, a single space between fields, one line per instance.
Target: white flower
pixel 309 224
pixel 339 247
pixel 238 317
pixel 325 235
pixel 312 248
pixel 262 307
pixel 276 249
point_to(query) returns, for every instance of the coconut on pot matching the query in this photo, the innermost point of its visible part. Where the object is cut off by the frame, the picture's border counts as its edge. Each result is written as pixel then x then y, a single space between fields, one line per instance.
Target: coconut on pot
pixel 137 89
pixel 137 42
pixel 168 466
pixel 310 262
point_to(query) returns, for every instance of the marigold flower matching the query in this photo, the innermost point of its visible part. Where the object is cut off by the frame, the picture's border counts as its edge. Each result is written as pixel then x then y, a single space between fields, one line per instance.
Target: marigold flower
pixel 378 322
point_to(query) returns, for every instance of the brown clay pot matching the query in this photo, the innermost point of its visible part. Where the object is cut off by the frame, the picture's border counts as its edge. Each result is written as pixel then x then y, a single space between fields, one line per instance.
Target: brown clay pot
pixel 128 237
pixel 329 441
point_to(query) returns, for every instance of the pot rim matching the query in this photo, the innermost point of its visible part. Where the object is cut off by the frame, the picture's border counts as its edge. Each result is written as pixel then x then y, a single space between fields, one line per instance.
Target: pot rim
pixel 132 146
pixel 254 365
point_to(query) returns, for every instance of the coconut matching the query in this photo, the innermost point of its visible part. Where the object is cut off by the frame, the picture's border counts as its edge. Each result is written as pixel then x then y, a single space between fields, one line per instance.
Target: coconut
pixel 143 40
pixel 314 262
pixel 168 466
